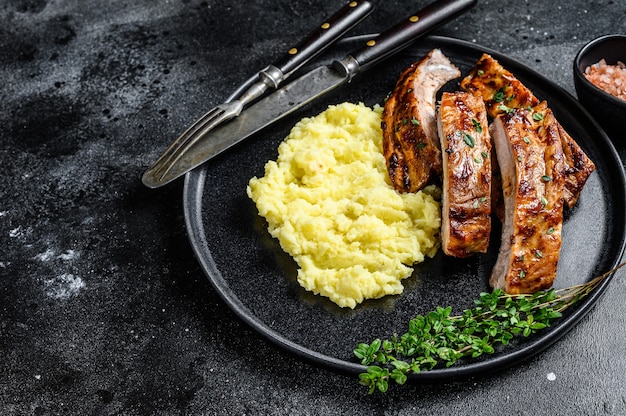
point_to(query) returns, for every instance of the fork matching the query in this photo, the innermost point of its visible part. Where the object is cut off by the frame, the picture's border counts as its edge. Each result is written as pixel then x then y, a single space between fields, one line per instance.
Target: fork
pixel 271 77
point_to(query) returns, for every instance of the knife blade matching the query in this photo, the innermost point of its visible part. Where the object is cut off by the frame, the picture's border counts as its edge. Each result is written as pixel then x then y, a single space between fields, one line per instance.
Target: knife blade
pixel 312 85
pixel 272 76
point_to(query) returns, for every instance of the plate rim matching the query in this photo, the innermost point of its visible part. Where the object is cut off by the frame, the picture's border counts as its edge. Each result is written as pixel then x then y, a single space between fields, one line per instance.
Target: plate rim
pixel 192 206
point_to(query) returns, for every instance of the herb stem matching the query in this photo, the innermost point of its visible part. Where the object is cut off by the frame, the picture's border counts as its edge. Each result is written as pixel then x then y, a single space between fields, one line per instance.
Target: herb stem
pixel 439 339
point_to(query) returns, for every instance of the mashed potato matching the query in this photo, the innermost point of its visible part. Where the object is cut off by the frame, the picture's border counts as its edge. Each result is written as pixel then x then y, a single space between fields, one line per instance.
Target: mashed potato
pixel 328 201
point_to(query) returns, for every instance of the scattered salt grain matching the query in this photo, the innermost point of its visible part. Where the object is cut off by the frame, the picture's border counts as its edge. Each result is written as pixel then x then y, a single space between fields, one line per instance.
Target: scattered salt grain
pixel 64 286
pixel 45 256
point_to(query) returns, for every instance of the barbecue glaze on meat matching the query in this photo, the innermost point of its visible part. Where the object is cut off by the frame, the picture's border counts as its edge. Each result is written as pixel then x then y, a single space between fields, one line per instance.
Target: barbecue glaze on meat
pixel 532 162
pixel 501 91
pixel 410 142
pixel 466 156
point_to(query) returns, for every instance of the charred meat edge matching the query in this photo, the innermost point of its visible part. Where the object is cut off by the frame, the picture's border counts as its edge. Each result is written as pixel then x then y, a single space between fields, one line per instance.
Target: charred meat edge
pixel 410 142
pixel 466 156
pixel 502 91
pixel 532 162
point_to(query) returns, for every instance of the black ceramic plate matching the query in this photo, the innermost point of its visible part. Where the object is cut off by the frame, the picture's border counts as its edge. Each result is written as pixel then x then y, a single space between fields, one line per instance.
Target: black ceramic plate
pixel 258 281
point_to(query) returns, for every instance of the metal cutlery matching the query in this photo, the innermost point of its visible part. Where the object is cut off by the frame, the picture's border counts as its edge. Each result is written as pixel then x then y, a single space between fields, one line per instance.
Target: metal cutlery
pixel 271 77
pixel 312 85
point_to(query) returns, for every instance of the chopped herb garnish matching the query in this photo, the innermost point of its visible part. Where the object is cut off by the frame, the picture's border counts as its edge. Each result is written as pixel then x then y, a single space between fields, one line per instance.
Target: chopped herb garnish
pixel 544 201
pixel 537 116
pixel 477 126
pixel 404 121
pixel 483 199
pixel 468 139
pixel 420 145
pixel 480 72
pixel 550 231
pixel 478 160
pixel 546 178
pixel 475 204
pixel 499 95
pixel 504 108
pixel 526 140
pixel 538 254
pixel 484 155
pixel 415 121
pixel 522 275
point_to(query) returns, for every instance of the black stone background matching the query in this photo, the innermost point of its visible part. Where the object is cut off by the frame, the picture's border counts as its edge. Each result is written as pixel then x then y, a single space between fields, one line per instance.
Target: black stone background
pixel 103 307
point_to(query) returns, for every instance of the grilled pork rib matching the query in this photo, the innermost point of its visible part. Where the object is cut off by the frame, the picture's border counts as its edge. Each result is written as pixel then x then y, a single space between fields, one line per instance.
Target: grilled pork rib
pixel 466 156
pixel 410 142
pixel 501 91
pixel 532 161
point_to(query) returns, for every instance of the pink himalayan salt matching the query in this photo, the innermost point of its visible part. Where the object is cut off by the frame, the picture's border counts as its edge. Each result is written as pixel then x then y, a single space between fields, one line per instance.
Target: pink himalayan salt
pixel 610 78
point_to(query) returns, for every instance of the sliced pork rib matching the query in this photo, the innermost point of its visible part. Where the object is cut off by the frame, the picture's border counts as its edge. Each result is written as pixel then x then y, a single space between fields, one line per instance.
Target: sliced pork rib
pixel 466 156
pixel 410 142
pixel 532 162
pixel 502 91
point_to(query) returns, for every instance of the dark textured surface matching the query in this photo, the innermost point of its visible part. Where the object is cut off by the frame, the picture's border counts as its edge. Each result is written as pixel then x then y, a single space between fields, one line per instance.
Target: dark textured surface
pixel 103 308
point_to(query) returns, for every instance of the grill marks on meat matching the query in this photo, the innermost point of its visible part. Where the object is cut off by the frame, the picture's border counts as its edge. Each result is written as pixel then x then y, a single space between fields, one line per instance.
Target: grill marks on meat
pixel 532 162
pixel 410 142
pixel 578 167
pixel 497 87
pixel 466 149
pixel 523 168
pixel 501 92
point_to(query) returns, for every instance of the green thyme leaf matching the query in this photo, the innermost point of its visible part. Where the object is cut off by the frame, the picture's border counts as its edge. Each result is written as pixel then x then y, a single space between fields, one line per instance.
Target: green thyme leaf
pixel 499 95
pixel 440 339
pixel 468 139
pixel 504 108
pixel 477 126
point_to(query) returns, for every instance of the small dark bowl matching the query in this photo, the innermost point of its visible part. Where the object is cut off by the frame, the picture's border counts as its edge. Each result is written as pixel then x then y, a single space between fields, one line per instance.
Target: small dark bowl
pixel 608 110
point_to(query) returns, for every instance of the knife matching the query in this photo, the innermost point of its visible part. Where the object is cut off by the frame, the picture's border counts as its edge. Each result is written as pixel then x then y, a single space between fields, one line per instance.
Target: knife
pixel 271 77
pixel 312 85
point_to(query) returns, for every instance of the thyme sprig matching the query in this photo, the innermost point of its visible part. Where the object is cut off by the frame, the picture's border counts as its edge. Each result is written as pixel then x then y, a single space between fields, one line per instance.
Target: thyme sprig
pixel 439 339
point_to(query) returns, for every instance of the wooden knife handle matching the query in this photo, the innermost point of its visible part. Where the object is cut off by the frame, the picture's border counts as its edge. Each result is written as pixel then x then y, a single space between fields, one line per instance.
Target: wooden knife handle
pixel 325 35
pixel 405 32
